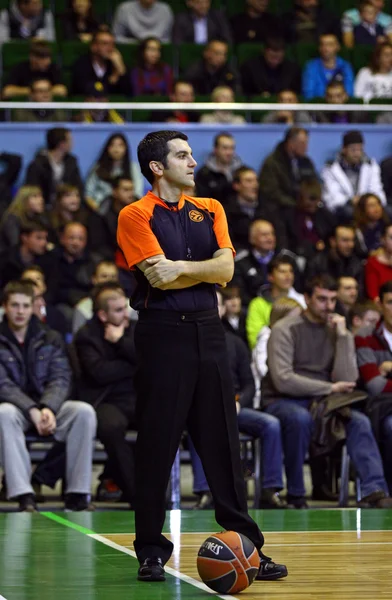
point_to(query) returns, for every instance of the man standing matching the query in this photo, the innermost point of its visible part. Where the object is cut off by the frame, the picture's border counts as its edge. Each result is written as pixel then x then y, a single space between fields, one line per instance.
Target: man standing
pixel 180 249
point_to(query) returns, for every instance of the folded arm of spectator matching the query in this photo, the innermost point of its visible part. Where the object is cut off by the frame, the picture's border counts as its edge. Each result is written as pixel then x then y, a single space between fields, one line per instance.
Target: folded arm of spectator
pixel 345 363
pixel 372 376
pixel 59 379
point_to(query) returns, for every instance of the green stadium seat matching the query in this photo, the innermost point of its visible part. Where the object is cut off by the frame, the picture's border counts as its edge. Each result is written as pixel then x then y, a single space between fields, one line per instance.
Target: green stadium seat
pixel 71 51
pixel 373 115
pixel 304 52
pixel 17 51
pixel 360 56
pixel 247 50
pixel 257 115
pixel 101 7
pixel 142 116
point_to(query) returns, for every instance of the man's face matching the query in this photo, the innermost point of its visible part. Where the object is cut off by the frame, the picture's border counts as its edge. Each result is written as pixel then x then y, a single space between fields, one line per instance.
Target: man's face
pixel 370 318
pixel 262 237
pixel 18 310
pixel 74 240
pixel 329 47
pixel 30 8
pixel 40 63
pixel 199 7
pixel 216 55
pixel 273 58
pixel 288 97
pixel 386 308
pixel 41 91
pixel 282 277
pixel 224 150
pixel 233 306
pixel 369 14
pixel 321 304
pixel 248 186
pixel 39 281
pixel 258 6
pixel 103 46
pixel 35 242
pixel 105 272
pixel 344 241
pixel 299 144
pixel 353 153
pixel 348 291
pixel 117 310
pixel 183 92
pixel 180 164
pixel 336 95
pixel 124 193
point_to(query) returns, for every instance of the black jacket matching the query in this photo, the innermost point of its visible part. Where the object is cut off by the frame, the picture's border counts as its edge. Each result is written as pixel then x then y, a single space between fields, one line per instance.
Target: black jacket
pixel 244 385
pixel 205 82
pixel 337 266
pixel 218 27
pixel 241 331
pixel 386 176
pixel 39 172
pixel 84 75
pixel 103 230
pixel 258 78
pixel 249 275
pixel 212 184
pixel 12 164
pixel 12 266
pixel 239 223
pixel 326 22
pixel 246 29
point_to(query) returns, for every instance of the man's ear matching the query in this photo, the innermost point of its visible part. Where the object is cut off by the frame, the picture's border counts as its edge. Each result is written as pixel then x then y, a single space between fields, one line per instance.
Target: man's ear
pixel 102 316
pixel 156 167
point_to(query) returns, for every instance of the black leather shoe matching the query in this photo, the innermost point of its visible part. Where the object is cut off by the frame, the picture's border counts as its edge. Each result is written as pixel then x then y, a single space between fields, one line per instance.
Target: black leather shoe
pixel 296 502
pixel 27 503
pixel 151 570
pixel 270 571
pixel 376 500
pixel 205 502
pixel 77 503
pixel 271 499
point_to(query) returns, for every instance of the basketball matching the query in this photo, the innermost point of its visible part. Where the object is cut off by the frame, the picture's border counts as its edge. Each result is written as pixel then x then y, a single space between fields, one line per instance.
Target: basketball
pixel 228 562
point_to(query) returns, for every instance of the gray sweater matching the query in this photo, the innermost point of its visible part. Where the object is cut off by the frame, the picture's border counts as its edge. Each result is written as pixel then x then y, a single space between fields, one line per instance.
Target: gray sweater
pixel 133 22
pixel 305 358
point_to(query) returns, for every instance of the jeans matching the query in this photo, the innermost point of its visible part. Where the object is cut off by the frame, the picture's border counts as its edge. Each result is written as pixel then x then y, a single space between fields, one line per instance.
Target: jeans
pixel 387 450
pixel 259 425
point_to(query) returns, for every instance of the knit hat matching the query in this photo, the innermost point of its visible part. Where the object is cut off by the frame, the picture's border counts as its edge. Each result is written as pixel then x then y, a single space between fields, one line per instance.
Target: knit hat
pixel 352 137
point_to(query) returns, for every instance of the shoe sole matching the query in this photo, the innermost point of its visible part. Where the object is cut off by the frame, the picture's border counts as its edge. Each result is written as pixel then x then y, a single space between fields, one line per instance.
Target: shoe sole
pixel 273 577
pixel 151 578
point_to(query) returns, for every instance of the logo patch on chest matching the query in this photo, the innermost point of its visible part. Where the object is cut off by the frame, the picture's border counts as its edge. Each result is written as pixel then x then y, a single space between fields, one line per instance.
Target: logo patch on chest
pixel 196 216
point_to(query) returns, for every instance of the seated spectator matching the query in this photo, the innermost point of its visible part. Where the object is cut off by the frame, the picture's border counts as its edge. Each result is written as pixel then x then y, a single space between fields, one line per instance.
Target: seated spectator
pixel 151 76
pixel 251 422
pixel 378 267
pixel 106 352
pixel 138 19
pixel 374 355
pixel 308 21
pixel 214 178
pixel 31 250
pixel 339 258
pixel 182 92
pixel 290 117
pixel 96 92
pixel 375 81
pixel 363 314
pixel 281 280
pixel 370 219
pixel 336 94
pixel 213 70
pixel 318 72
pixel 386 177
pixel 312 356
pixel 103 63
pixel 41 90
pixel 349 176
pixel 346 296
pixel 282 171
pixel 270 72
pixel 66 209
pixel 38 66
pixel 368 31
pixel 114 161
pixel 79 22
pixel 352 17
pixel 200 24
pixel 11 165
pixel 26 20
pixel 233 318
pixel 34 392
pixel 54 165
pixel 254 24
pixel 223 93
pixel 27 207
pixel 243 206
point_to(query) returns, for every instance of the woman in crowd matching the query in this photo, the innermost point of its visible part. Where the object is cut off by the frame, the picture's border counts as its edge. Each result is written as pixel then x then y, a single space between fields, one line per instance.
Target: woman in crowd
pixel 375 81
pixel 67 208
pixel 79 22
pixel 378 268
pixel 370 219
pixel 114 160
pixel 151 76
pixel 27 206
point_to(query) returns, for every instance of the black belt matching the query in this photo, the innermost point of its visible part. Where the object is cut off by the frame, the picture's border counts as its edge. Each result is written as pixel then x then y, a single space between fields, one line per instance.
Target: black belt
pixel 174 316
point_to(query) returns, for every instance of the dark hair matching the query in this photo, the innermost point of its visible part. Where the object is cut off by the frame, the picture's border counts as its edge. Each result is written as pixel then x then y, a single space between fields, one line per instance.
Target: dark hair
pixel 102 29
pixel 154 146
pixel 374 64
pixel 116 182
pixel 342 226
pixel 323 281
pixel 141 50
pixel 360 218
pixel 386 288
pixel 276 44
pixel 277 262
pixel 91 21
pixel 55 136
pixel 240 171
pixel 40 49
pixel 32 226
pixel 101 288
pixel 293 132
pixel 104 164
pixel 311 186
pixel 360 308
pixel 105 261
pixel 230 292
pixel 17 287
pixel 57 219
pixel 364 3
pixel 221 135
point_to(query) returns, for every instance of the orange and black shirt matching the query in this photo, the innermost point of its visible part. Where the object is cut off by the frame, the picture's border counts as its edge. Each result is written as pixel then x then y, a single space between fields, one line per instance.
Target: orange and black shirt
pixel 193 230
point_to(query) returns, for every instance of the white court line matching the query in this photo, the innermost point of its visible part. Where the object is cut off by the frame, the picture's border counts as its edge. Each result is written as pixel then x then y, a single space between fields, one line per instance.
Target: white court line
pixel 177 574
pixel 2 598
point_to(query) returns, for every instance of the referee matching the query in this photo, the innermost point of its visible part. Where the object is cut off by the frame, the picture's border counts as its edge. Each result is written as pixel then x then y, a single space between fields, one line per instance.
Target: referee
pixel 179 249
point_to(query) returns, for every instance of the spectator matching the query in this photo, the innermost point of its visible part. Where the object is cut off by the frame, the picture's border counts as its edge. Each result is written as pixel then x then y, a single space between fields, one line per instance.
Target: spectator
pixel 351 174
pixel 214 178
pixel 106 353
pixel 352 17
pixel 96 92
pixel 27 207
pixel 370 219
pixel 26 20
pixel 378 268
pixel 138 19
pixel 251 422
pixel 375 81
pixel 35 392
pixel 151 76
pixel 200 24
pixel 336 94
pixel 386 177
pixel 243 206
pixel 363 314
pixel 270 72
pixel 55 165
pixel 11 165
pixel 31 250
pixel 114 160
pixel 368 31
pixel 308 21
pixel 281 280
pixel 213 70
pixel 254 24
pixel 339 258
pixel 39 65
pixel 312 356
pixel 79 22
pixel 347 296
pixel 102 63
pixel 41 90
pixel 318 72
pixel 282 171
pixel 66 209
pixel 223 93
pixel 182 92
pixel 290 117
pixel 233 317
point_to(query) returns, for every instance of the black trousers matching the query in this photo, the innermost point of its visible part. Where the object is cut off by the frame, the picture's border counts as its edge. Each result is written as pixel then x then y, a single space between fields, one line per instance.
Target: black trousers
pixel 184 382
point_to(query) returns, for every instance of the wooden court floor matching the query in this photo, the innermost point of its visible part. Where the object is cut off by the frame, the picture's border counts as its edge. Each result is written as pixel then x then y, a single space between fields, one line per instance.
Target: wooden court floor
pixel 330 554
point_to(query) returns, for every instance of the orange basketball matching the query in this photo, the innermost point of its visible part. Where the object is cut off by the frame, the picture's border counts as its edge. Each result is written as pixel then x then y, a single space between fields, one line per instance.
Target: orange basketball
pixel 228 562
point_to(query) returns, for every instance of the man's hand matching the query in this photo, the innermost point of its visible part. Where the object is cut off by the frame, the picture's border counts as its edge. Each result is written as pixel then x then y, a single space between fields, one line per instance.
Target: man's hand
pixel 48 422
pixel 162 271
pixel 113 333
pixel 35 416
pixel 117 61
pixel 337 322
pixel 385 368
pixel 343 387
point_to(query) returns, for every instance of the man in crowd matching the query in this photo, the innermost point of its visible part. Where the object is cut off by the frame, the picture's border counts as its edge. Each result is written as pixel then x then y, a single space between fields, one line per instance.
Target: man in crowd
pixel 290 117
pixel 138 19
pixel 213 70
pixel 200 24
pixel 243 206
pixel 347 296
pixel 182 92
pixel 31 251
pixel 363 314
pixel 254 24
pixel 233 317
pixel 26 19
pixel 41 90
pixel 307 21
pixel 335 93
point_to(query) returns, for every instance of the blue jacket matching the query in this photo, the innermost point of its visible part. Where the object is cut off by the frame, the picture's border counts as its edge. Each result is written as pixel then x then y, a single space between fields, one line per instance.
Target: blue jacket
pixel 314 79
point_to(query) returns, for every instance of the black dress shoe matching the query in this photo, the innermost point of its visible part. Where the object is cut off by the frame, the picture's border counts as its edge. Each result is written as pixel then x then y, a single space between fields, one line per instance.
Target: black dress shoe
pixel 205 502
pixel 376 500
pixel 27 503
pixel 77 503
pixel 270 571
pixel 151 570
pixel 296 502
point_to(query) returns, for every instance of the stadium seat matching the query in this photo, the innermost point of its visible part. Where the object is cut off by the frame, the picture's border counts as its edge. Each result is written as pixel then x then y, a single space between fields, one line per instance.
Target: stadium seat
pixel 257 115
pixel 247 50
pixel 360 56
pixel 142 116
pixel 71 51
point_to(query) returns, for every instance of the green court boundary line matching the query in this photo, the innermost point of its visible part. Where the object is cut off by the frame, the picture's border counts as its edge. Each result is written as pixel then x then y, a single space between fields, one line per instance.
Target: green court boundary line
pixel 99 538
